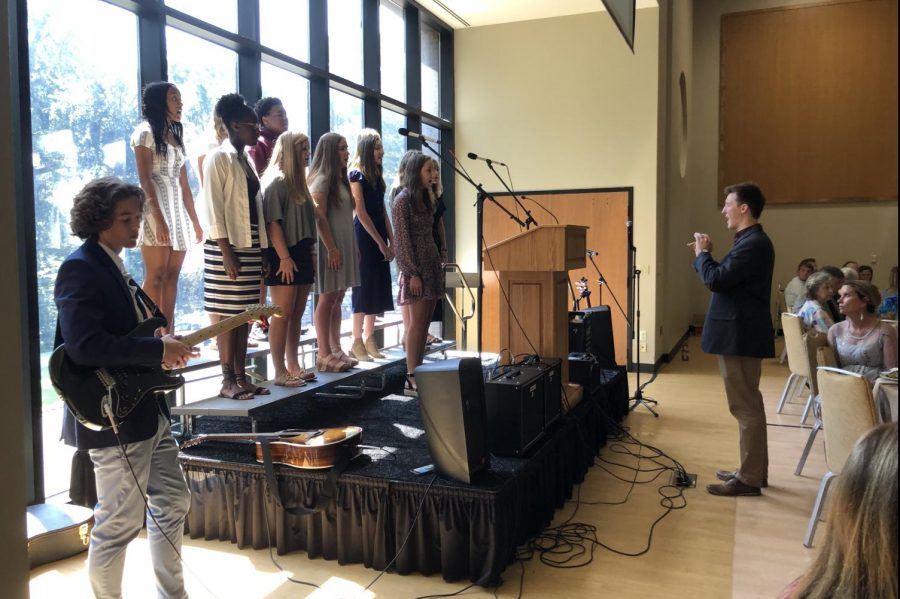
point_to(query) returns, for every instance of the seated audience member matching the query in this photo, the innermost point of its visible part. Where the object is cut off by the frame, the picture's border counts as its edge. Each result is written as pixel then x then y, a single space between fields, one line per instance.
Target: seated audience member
pixel 837 280
pixel 796 288
pixel 863 343
pixel 851 264
pixel 858 558
pixel 888 307
pixel 850 274
pixel 865 273
pixel 813 312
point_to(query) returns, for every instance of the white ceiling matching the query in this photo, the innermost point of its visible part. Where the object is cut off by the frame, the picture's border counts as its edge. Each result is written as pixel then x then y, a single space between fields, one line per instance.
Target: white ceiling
pixel 492 12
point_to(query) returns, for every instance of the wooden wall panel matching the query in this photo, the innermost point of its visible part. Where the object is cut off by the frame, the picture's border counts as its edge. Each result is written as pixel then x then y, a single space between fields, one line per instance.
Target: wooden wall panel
pixel 606 215
pixel 808 101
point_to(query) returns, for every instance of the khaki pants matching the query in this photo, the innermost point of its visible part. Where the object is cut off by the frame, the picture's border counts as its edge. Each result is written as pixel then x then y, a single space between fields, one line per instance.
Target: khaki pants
pixel 741 377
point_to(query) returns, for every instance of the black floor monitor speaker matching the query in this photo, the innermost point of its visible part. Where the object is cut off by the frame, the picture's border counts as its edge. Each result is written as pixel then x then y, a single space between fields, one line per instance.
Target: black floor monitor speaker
pixel 451 397
pixel 551 369
pixel 590 331
pixel 515 410
pixel 585 371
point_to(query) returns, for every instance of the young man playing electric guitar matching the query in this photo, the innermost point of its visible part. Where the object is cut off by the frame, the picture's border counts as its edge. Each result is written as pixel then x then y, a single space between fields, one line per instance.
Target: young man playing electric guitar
pixel 99 304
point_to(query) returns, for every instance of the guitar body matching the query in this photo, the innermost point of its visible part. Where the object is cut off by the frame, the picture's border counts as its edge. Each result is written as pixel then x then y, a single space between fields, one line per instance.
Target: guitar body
pixel 307 450
pixel 312 453
pixel 85 388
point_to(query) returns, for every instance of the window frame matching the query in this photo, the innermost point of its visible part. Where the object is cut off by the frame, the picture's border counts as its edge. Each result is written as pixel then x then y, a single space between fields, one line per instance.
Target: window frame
pixel 153 16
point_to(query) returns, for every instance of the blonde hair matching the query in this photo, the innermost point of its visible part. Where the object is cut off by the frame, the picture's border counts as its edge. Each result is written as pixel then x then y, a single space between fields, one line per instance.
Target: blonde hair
pixel 326 163
pixel 283 165
pixel 858 558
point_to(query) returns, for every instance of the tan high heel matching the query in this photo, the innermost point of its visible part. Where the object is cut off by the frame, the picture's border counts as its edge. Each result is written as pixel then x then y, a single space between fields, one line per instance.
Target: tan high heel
pixel 359 350
pixel 372 349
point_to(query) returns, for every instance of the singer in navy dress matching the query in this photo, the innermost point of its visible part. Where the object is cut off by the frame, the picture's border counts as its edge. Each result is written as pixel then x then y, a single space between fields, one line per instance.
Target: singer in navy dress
pixel 373 294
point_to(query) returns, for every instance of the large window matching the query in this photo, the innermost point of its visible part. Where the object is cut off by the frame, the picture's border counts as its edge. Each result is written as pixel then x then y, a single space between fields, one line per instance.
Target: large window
pixel 221 13
pixel 284 26
pixel 345 39
pixel 203 72
pixel 85 104
pixel 394 143
pixel 292 90
pixel 393 50
pixel 433 133
pixel 82 115
pixel 431 70
pixel 346 116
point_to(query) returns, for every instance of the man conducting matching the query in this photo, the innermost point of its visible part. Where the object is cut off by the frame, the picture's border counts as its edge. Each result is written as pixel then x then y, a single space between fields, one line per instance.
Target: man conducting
pixel 738 329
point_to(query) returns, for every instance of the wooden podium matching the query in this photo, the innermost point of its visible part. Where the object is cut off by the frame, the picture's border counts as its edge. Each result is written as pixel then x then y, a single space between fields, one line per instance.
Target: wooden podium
pixel 532 269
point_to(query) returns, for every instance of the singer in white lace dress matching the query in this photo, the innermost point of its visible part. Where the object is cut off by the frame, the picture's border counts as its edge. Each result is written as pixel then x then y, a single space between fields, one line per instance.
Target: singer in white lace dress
pixel 170 221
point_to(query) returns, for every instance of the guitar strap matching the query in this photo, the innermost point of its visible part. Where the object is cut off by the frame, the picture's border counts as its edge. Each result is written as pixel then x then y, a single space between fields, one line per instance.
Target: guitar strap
pixel 146 301
pixel 329 489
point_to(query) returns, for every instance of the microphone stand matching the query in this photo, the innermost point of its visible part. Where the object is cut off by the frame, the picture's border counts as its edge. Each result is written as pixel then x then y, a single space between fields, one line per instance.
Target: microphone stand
pixel 479 206
pixel 530 219
pixel 638 398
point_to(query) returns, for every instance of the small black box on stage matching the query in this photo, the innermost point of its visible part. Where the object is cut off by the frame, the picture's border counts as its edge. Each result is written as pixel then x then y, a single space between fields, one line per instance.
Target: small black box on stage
pixel 584 370
pixel 590 331
pixel 551 368
pixel 514 399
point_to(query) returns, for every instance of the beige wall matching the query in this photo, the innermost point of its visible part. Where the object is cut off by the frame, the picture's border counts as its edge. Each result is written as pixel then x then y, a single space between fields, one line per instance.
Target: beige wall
pixel 831 233
pixel 567 105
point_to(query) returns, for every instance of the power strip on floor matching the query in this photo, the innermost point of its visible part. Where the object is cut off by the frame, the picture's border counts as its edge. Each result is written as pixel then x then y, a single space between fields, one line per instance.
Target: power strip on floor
pixel 684 481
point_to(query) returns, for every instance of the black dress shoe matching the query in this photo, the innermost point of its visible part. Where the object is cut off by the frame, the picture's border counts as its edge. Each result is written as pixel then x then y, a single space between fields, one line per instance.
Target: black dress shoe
pixel 727 475
pixel 733 488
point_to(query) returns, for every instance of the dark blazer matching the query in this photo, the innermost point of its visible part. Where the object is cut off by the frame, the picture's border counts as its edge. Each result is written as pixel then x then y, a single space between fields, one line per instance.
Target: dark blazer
pixel 96 312
pixel 739 322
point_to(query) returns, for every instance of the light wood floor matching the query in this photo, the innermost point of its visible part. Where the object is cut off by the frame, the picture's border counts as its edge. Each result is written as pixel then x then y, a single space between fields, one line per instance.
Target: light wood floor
pixel 715 547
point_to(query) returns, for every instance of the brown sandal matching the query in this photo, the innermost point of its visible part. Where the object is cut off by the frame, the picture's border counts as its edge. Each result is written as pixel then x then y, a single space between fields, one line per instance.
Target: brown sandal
pixel 331 363
pixel 241 380
pixel 289 380
pixel 229 379
pixel 305 375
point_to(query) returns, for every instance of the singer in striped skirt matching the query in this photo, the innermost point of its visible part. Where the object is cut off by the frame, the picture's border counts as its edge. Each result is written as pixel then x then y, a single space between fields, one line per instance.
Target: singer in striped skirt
pixel 233 261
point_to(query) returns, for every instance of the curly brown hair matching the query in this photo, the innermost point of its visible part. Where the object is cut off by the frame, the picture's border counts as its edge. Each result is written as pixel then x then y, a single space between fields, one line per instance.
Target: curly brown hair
pixel 94 206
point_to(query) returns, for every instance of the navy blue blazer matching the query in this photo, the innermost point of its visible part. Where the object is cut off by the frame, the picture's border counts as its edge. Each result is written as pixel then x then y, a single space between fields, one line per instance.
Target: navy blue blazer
pixel 96 312
pixel 738 321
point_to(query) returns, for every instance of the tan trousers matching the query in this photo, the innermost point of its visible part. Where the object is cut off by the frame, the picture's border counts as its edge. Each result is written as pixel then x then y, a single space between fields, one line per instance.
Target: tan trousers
pixel 741 377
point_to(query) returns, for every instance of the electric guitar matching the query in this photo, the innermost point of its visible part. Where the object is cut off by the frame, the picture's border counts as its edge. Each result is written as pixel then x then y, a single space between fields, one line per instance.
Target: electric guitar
pixel 308 450
pixel 102 398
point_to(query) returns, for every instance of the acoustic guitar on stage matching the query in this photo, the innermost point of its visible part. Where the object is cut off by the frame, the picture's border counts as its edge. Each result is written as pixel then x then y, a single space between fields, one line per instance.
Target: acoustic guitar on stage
pixel 304 449
pixel 102 398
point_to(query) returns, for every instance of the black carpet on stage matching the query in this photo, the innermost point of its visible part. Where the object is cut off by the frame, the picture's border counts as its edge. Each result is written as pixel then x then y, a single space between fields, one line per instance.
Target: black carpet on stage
pixel 463 531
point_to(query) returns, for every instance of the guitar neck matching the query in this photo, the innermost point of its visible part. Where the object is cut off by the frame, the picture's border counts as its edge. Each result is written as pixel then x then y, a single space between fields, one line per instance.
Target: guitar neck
pixel 213 330
pixel 227 437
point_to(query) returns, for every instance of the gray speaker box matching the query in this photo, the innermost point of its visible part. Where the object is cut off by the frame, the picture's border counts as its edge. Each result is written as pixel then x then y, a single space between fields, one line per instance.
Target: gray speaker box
pixel 451 397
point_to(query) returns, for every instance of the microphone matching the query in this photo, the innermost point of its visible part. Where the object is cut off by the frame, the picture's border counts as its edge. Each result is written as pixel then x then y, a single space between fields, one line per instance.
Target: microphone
pixel 474 156
pixel 592 253
pixel 407 133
